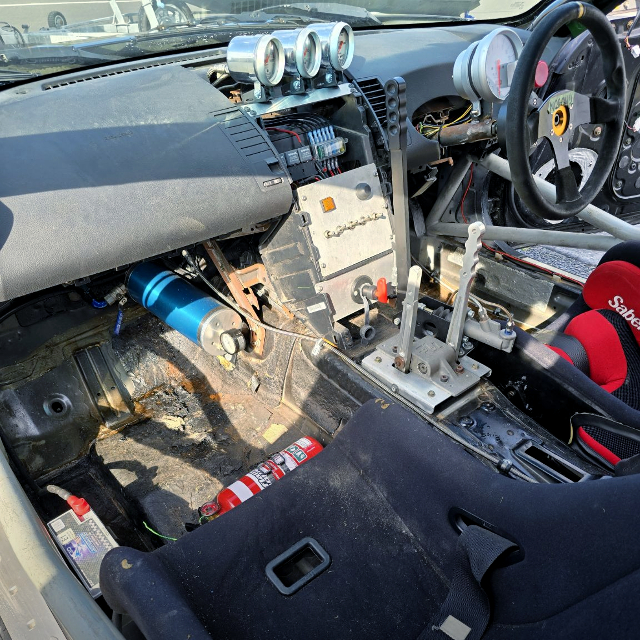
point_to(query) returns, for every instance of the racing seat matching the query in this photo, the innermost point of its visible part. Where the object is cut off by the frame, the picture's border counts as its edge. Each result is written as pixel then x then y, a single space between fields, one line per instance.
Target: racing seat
pixel 600 335
pixel 423 541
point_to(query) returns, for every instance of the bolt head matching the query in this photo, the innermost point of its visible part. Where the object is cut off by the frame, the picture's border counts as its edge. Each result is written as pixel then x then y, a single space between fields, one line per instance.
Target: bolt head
pixel 378 359
pixel 597 131
pixel 394 388
pixel 320 288
pixel 444 377
pixel 470 313
pixel 475 365
pixel 431 393
pixel 459 368
pixel 422 367
pixel 397 321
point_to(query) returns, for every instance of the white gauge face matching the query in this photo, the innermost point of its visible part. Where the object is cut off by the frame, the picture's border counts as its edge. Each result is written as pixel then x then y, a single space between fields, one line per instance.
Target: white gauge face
pixel 310 55
pixel 343 48
pixel 271 59
pixel 500 64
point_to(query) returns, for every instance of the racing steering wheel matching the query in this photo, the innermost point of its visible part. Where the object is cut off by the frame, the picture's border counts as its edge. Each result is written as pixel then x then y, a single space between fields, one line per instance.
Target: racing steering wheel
pixel 526 122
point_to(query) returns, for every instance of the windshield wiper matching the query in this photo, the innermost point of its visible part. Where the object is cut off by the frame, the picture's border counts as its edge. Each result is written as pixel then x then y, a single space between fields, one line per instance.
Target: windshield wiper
pixel 408 18
pixel 7 75
pixel 319 12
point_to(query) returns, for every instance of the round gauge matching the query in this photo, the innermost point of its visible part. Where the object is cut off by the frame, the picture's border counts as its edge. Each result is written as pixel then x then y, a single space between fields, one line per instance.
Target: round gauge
pixel 256 58
pixel 337 44
pixel 302 51
pixel 485 70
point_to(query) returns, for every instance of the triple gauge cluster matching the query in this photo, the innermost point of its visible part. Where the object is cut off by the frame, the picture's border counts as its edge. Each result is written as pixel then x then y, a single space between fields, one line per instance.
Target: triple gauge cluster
pixel 312 57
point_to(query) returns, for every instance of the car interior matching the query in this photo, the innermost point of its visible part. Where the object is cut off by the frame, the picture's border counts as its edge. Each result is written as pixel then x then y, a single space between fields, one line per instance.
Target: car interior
pixel 397 264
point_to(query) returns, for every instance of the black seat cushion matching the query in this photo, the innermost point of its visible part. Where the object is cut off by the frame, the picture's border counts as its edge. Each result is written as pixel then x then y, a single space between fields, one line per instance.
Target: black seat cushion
pixel 380 499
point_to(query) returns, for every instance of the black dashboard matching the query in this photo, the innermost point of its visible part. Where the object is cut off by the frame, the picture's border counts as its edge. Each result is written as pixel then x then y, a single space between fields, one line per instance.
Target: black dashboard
pixel 115 165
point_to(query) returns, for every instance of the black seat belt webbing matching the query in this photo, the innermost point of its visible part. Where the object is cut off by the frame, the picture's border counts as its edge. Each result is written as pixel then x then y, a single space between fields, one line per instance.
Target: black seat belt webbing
pixel 466 611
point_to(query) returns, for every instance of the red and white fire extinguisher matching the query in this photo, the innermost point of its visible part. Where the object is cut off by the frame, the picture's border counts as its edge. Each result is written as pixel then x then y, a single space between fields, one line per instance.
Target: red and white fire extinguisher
pixel 263 476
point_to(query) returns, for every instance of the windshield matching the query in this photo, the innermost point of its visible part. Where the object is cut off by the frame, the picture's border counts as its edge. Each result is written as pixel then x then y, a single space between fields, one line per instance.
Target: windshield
pixel 45 37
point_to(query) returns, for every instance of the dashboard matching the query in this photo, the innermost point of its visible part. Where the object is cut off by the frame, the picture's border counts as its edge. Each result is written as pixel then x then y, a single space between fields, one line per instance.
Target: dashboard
pixel 116 165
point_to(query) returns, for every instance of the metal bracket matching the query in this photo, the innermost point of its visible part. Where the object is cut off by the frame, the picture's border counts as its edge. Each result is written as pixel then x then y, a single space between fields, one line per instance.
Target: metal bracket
pixel 245 301
pixel 396 103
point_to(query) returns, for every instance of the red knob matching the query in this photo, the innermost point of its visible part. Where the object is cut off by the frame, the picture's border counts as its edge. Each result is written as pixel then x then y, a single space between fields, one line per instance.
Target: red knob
pixel 542 74
pixel 381 291
pixel 79 505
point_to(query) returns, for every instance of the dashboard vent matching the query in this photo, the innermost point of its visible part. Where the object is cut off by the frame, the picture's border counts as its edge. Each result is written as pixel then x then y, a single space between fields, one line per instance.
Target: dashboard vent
pixel 245 135
pixel 374 93
pixel 118 71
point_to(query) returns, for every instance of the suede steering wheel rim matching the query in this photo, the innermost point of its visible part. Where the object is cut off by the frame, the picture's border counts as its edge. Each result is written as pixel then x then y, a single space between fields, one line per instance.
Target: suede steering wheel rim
pixel 561 113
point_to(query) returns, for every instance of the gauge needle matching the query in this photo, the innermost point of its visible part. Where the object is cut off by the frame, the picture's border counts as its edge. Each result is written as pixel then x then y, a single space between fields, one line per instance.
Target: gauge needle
pixel 498 68
pixel 340 46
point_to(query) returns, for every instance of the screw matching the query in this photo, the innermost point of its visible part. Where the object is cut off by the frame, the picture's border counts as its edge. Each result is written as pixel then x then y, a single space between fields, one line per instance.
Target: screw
pixel 304 198
pixel 618 184
pixel 378 359
pixel 470 313
pixel 488 406
pixel 474 365
pixel 431 393
pixel 296 85
pixel 597 131
pixel 329 77
pixel 397 321
pixel 509 432
pixel 422 367
pixel 459 368
pixel 465 421
pixel 444 377
pixel 399 363
pixel 323 265
pixel 490 447
pixel 395 349
pixel 560 138
pixel 627 141
pixel 570 127
pixel 319 289
pixel 394 388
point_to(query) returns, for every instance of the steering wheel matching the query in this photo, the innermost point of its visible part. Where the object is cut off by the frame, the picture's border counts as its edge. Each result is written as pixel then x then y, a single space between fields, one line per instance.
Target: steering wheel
pixel 527 122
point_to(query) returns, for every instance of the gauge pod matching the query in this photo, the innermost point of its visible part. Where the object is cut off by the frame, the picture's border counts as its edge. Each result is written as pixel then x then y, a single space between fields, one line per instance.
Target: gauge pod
pixel 337 44
pixel 484 70
pixel 302 51
pixel 256 59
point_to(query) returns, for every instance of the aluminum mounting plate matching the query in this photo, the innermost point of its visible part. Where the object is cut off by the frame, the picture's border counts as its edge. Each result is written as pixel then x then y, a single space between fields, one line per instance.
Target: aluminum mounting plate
pixel 356 229
pixel 420 389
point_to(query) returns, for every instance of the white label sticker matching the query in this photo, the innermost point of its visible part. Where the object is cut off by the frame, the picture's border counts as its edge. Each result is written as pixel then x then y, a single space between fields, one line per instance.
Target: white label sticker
pixel 304 442
pixel 57 525
pixel 314 308
pixel 67 536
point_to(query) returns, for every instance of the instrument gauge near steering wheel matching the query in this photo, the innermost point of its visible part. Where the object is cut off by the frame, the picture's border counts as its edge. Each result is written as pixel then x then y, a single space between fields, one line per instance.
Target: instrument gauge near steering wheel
pixel 484 70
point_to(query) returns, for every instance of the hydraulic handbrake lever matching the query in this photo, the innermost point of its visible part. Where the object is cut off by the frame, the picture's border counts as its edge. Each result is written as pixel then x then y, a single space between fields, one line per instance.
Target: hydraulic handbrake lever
pixel 467 275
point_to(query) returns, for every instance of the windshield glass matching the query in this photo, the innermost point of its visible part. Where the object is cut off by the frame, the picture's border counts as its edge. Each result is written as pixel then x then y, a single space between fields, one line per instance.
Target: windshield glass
pixel 45 37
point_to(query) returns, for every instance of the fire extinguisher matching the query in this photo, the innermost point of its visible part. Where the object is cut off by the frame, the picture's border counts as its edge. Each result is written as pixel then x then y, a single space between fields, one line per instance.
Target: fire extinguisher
pixel 263 476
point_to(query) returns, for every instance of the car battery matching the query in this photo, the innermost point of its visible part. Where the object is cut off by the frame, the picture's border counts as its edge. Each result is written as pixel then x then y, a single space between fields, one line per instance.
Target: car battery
pixel 84 541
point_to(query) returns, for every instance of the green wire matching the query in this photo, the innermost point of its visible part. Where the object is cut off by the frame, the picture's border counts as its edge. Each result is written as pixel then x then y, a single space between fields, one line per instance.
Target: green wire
pixel 148 528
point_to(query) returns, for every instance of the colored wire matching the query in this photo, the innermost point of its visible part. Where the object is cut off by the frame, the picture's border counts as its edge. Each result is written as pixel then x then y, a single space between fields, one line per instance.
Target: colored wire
pixel 155 533
pixel 291 133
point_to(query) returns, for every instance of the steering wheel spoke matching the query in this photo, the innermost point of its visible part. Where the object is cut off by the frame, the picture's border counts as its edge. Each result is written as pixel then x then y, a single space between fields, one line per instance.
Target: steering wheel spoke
pixel 566 186
pixel 603 110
